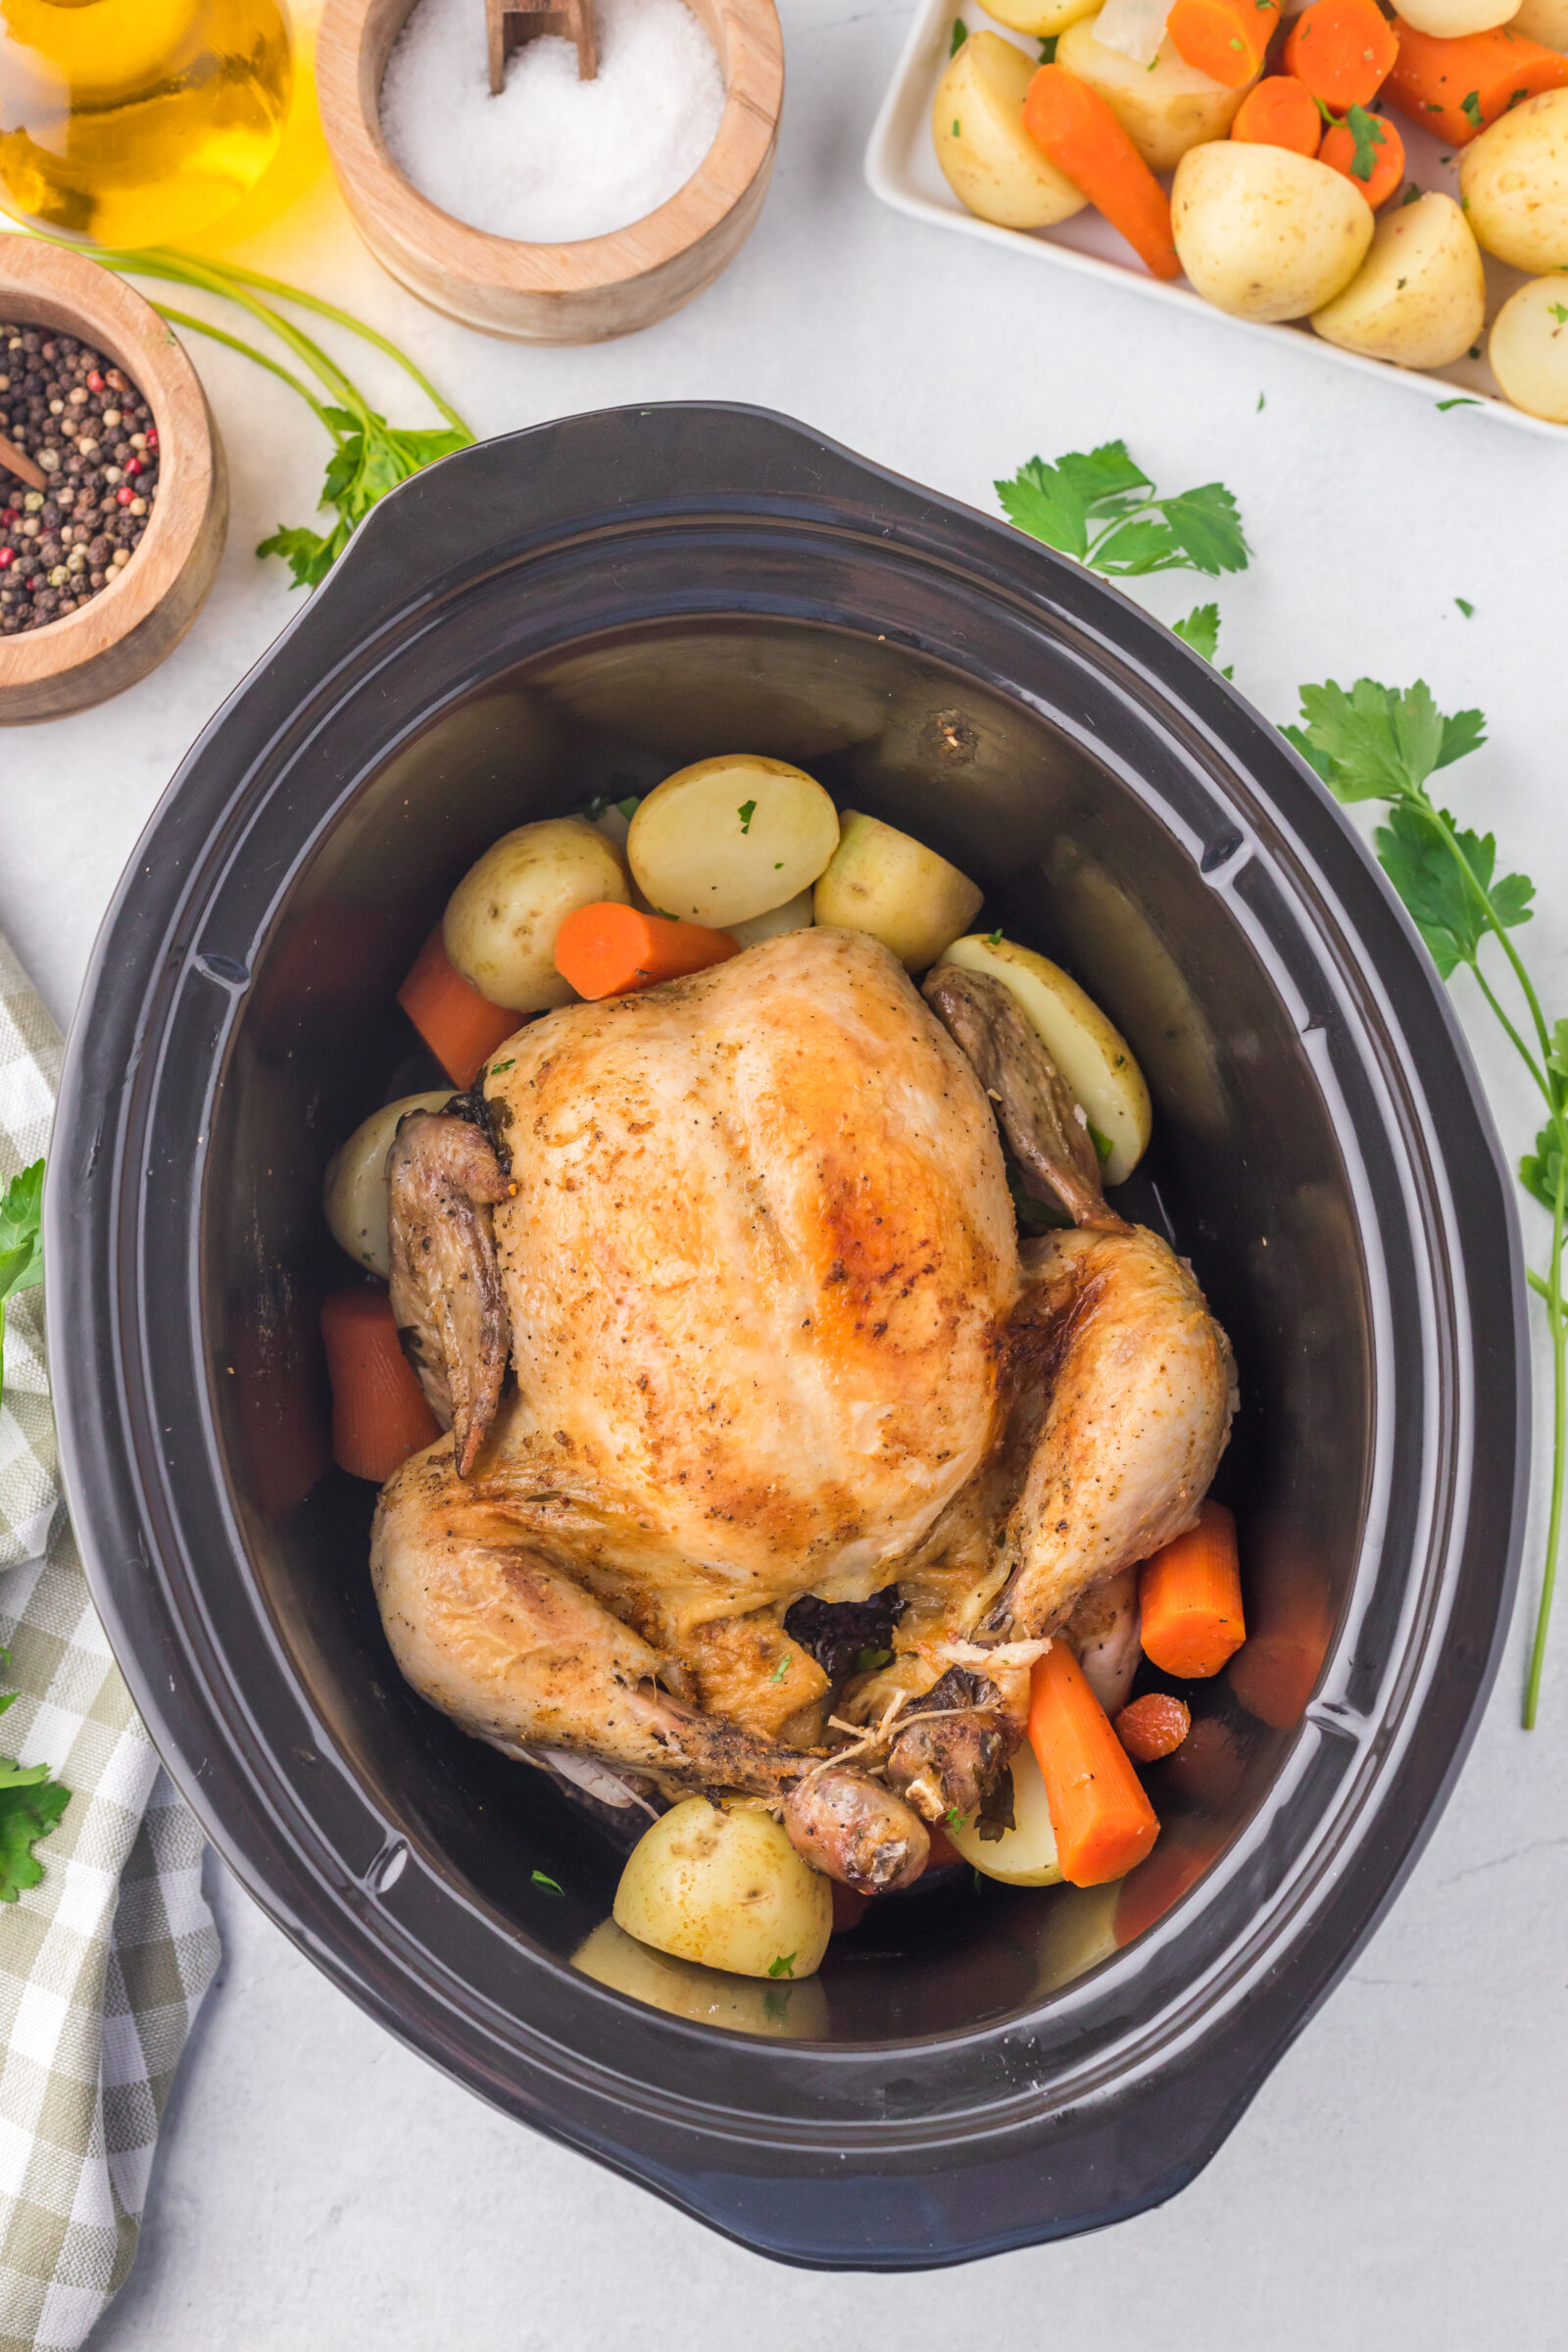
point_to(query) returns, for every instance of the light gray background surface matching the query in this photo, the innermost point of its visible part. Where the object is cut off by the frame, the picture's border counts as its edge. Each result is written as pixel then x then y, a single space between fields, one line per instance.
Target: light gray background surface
pixel 1400 2181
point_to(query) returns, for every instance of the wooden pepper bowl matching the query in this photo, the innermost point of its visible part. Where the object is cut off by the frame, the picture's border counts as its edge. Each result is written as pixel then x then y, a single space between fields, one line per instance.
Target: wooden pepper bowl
pixel 596 287
pixel 129 625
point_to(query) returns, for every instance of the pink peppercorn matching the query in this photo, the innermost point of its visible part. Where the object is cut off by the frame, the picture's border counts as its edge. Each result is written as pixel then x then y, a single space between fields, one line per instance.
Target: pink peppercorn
pixel 95 382
pixel 152 436
pixel 122 496
pixel 8 556
pixel 134 465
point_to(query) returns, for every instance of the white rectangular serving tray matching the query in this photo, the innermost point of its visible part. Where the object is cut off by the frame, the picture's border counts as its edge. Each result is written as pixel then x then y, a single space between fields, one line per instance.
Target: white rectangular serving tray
pixel 901 166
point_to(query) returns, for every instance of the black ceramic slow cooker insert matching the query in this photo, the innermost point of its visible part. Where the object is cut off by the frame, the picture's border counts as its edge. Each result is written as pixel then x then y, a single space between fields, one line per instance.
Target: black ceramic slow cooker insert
pixel 581 609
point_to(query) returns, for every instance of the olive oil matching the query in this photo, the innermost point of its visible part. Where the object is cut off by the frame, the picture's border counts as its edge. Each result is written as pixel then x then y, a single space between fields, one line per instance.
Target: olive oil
pixel 137 122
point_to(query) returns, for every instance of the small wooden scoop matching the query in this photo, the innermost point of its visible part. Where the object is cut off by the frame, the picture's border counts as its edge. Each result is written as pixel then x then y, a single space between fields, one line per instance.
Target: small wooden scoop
pixel 15 461
pixel 511 23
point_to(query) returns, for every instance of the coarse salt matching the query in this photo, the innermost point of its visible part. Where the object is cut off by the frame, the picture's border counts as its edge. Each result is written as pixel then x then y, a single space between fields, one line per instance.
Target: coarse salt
pixel 552 159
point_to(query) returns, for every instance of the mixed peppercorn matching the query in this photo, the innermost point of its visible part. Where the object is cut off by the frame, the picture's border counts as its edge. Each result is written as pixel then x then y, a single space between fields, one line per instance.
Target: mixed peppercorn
pixel 90 434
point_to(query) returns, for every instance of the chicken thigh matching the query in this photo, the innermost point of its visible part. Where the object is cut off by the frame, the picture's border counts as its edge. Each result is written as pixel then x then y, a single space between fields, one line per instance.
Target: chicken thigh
pixel 747 1243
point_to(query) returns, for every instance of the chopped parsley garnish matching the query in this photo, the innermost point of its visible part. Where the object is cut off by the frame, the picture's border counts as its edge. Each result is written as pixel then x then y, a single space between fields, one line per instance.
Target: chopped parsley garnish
pixel 1101 508
pixel 746 811
pixel 781 1669
pixel 630 805
pixel 870 1659
pixel 1559 313
pixel 1047 49
pixel 957 128
pixel 495 1067
pixel 1471 105
pixel 953 1819
pixel 1466 606
pixel 994 937
pixel 1103 1146
pixel 960 33
pixel 1463 402
pixel 1259 409
pixel 1368 134
pixel 783 1965
pixel 542 1878
pixel 1413 195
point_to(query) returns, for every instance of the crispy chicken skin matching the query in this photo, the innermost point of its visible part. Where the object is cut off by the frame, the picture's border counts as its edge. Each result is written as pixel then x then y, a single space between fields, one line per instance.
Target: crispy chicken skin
pixel 773 1335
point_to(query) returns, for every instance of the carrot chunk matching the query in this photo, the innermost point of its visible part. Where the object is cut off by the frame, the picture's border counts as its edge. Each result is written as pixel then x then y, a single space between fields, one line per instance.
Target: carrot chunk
pixel 1083 138
pixel 461 1028
pixel 1104 1821
pixel 379 1415
pixel 1154 1726
pixel 1189 1599
pixel 1343 50
pixel 1378 172
pixel 1281 112
pixel 1226 40
pixel 1455 88
pixel 608 949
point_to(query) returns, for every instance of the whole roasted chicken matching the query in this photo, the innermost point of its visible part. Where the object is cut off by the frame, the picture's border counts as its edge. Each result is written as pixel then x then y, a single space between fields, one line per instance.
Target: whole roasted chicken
pixel 747 1244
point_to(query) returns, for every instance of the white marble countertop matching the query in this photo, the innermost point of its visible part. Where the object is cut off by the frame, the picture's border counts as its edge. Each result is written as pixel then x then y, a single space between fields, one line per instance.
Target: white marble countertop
pixel 1400 2180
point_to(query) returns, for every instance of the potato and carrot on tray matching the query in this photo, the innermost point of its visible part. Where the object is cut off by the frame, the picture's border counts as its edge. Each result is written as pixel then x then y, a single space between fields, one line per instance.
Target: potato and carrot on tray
pixel 1260 153
pixel 778 1429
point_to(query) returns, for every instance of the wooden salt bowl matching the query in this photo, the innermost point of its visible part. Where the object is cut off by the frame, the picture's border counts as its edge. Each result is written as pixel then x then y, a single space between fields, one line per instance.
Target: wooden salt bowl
pixel 129 627
pixel 583 292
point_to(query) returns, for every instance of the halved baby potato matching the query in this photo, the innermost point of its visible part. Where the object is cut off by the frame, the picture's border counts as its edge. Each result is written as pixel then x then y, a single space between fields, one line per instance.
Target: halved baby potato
pixel 1513 185
pixel 1040 18
pixel 1165 107
pixel 723 1885
pixel 1543 20
pixel 1090 1053
pixel 500 921
pixel 785 2009
pixel 354 1189
pixel 1420 297
pixel 885 882
pixel 730 838
pixel 794 915
pixel 989 160
pixel 1026 1854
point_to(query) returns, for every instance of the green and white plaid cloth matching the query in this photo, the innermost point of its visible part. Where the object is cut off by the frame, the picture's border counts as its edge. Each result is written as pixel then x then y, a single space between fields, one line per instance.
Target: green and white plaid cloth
pixel 103 1965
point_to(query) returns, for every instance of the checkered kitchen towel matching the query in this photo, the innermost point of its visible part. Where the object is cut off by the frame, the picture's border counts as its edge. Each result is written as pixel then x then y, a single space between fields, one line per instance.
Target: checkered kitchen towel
pixel 104 1964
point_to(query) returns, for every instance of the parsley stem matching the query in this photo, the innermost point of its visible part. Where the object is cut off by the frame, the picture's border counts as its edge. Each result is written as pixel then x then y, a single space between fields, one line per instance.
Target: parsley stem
pixel 1559 1435
pixel 218 334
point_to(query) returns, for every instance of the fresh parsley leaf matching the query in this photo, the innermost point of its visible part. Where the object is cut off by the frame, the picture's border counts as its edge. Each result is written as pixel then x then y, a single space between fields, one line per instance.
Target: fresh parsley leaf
pixel 1048 48
pixel 1413 195
pixel 1557 1051
pixel 1470 105
pixel 1139 531
pixel 784 1964
pixel 1463 601
pixel 1380 742
pixel 21 1244
pixel 960 33
pixel 31 1806
pixel 1260 405
pixel 1541 1171
pixel 746 811
pixel 630 805
pixel 370 457
pixel 1367 134
pixel 953 1819
pixel 1463 400
pixel 1055 503
pixel 994 937
pixel 1103 1146
pixel 542 1878
pixel 1449 914
pixel 1199 630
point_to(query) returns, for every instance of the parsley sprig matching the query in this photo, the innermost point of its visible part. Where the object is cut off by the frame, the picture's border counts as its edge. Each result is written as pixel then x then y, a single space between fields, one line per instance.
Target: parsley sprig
pixel 1099 507
pixel 20 1243
pixel 1380 743
pixel 31 1806
pixel 369 457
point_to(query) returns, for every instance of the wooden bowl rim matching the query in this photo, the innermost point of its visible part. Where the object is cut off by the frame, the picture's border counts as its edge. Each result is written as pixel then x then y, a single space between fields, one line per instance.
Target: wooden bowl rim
pixel 752 58
pixel 113 317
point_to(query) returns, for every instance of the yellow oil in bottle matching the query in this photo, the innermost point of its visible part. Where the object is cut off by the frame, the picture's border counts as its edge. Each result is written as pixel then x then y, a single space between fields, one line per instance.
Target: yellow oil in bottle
pixel 139 122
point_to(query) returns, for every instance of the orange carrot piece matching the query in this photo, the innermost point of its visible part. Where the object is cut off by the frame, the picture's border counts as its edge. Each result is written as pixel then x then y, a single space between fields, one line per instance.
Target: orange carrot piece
pixel 608 949
pixel 461 1028
pixel 1226 40
pixel 1386 168
pixel 1104 1821
pixel 1189 1599
pixel 1086 142
pixel 1281 112
pixel 379 1415
pixel 1455 88
pixel 1154 1726
pixel 1343 50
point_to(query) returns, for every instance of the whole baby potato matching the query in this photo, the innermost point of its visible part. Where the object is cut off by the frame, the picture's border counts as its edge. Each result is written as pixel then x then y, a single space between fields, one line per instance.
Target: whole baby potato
pixel 989 160
pixel 1041 18
pixel 1528 348
pixel 723 1885
pixel 1543 20
pixel 1451 20
pixel 1420 296
pixel 354 1189
pixel 882 881
pixel 1513 185
pixel 1088 1049
pixel 1164 107
pixel 1266 233
pixel 731 838
pixel 500 921
pixel 1026 1854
